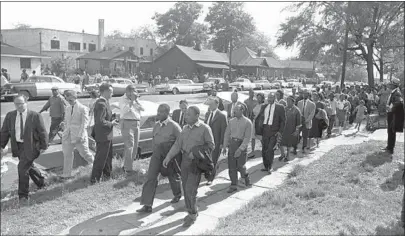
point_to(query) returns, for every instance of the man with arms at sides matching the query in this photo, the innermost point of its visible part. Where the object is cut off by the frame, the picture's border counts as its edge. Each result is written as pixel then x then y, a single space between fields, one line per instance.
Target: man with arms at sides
pixel 270 124
pixel 75 133
pixel 56 105
pixel 237 137
pixel 130 116
pixel 195 133
pixel 251 103
pixel 217 122
pixel 180 114
pixel 220 102
pixel 307 109
pixel 103 134
pixel 26 131
pixel 231 106
pixel 165 133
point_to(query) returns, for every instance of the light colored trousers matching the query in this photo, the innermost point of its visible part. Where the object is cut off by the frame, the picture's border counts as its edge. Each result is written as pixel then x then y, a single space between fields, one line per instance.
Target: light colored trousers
pixel 130 134
pixel 68 154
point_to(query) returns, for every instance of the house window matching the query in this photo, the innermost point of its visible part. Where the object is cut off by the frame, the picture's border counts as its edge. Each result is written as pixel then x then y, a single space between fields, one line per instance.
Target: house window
pixel 55 44
pixel 74 46
pixel 25 63
pixel 84 46
pixel 141 51
pixel 151 51
pixel 92 47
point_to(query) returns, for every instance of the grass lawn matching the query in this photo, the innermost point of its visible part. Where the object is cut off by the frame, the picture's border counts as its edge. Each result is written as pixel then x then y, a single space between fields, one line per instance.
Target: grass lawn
pixel 66 204
pixel 353 189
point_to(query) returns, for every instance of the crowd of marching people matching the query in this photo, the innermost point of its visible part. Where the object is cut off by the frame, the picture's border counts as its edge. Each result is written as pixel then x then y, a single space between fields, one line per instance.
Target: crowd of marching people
pixel 184 147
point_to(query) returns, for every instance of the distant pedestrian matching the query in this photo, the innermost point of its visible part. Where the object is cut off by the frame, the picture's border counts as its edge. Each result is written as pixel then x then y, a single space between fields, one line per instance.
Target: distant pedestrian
pixel 86 80
pixel 307 109
pixel 251 103
pixel 331 112
pixel 280 98
pixel 179 115
pixel 94 95
pixel 341 112
pixel 360 111
pixel 33 73
pixel 292 128
pixel 237 137
pixel 56 105
pixel 315 131
pixel 24 76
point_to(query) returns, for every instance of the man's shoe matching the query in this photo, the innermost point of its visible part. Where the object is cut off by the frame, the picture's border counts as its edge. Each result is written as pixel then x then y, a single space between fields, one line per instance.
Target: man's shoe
pixel 232 189
pixel 208 183
pixel 175 200
pixel 264 169
pixel 24 201
pixel 145 209
pixel 189 220
pixel 247 181
pixel 269 171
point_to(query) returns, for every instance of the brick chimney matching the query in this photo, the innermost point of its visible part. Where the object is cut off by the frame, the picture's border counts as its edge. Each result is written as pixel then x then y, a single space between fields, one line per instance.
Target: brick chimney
pixel 101 41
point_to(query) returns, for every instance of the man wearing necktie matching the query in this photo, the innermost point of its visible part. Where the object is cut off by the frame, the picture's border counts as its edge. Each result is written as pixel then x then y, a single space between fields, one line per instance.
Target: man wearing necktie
pixel 179 115
pixel 27 133
pixel 234 102
pixel 217 121
pixel 75 133
pixel 307 108
pixel 270 124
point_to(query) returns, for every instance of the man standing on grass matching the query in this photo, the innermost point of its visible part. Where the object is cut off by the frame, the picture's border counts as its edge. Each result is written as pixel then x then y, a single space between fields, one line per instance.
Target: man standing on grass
pixel 103 134
pixel 218 123
pixel 26 131
pixel 75 133
pixel 130 111
pixel 194 134
pixel 395 115
pixel 56 105
pixel 237 137
pixel 165 133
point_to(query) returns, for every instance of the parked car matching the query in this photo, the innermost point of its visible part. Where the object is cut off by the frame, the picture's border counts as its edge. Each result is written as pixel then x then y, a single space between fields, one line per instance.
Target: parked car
pixel 293 83
pixel 177 86
pixel 282 83
pixel 262 84
pixel 275 85
pixel 119 86
pixel 242 84
pixel 210 84
pixel 37 87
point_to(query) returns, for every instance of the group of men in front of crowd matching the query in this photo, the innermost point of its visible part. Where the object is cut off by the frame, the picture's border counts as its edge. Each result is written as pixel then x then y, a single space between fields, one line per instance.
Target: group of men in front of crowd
pixel 184 147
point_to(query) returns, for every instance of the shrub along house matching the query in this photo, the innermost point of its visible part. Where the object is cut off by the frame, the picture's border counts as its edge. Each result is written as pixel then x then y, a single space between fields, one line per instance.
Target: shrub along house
pixel 115 61
pixel 190 60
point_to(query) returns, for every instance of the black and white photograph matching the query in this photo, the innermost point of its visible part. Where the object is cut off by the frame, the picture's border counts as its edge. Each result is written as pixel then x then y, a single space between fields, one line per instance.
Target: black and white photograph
pixel 202 118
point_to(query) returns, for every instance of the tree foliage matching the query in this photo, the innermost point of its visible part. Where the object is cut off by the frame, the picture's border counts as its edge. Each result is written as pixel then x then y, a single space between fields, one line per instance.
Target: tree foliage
pixel 227 21
pixel 258 41
pixel 116 34
pixel 60 66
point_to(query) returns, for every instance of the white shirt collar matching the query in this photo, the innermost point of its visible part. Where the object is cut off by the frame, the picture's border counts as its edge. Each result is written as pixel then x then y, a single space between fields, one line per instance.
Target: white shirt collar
pixel 198 123
pixel 24 112
pixel 161 123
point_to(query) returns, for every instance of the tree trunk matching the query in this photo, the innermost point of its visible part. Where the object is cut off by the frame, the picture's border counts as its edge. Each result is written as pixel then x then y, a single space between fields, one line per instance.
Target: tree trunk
pixel 370 65
pixel 381 65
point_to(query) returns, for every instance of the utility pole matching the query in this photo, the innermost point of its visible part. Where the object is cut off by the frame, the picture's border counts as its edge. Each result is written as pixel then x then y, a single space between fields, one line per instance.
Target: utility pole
pixel 230 19
pixel 345 47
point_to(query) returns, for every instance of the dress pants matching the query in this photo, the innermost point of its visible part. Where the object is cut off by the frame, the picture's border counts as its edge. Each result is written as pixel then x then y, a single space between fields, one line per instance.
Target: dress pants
pixel 27 170
pixel 391 132
pixel 305 133
pixel 190 177
pixel 68 153
pixel 332 119
pixel 215 156
pixel 236 164
pixel 155 165
pixel 269 142
pixel 53 130
pixel 130 134
pixel 102 161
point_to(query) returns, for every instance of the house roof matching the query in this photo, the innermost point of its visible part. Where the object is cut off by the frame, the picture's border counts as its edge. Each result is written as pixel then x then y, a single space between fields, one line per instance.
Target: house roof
pixel 204 55
pixel 255 62
pixel 11 51
pixel 295 64
pixel 274 63
pixel 107 54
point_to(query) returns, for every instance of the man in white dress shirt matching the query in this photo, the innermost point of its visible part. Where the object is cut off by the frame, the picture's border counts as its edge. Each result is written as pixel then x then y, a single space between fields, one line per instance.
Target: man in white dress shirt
pixel 130 117
pixel 75 133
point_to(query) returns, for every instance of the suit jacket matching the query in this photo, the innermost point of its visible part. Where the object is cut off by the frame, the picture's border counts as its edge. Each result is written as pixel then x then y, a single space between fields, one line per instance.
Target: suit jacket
pixel 397 102
pixel 76 122
pixel 103 126
pixel 229 109
pixel 35 135
pixel 309 112
pixel 278 121
pixel 176 117
pixel 218 126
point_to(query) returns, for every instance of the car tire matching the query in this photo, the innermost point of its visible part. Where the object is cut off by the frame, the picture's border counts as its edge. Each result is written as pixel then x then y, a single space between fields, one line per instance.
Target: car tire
pixel 26 94
pixel 8 99
pixel 175 91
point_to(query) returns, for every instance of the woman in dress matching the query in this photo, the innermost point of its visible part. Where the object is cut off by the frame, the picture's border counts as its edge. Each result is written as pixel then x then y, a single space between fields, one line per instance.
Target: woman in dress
pixel 292 128
pixel 314 132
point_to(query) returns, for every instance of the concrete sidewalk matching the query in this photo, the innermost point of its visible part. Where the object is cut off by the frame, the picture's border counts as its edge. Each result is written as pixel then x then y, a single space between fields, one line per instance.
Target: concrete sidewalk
pixel 213 201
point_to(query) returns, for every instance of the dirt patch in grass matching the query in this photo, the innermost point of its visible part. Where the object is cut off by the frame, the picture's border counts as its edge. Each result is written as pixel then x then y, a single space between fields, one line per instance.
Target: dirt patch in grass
pixel 65 204
pixel 353 189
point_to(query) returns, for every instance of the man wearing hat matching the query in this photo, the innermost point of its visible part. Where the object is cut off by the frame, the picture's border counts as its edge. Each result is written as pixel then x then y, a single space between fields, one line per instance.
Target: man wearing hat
pixel 395 115
pixel 56 105
pixel 130 112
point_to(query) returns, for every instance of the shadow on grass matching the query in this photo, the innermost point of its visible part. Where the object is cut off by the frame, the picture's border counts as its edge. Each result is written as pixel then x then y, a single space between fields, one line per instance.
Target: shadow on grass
pixel 395 228
pixel 392 183
pixel 377 159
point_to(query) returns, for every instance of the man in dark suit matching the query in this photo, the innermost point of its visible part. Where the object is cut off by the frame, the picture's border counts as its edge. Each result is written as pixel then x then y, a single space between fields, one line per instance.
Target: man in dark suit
pixel 218 123
pixel 27 133
pixel 103 134
pixel 231 106
pixel 395 115
pixel 270 124
pixel 180 114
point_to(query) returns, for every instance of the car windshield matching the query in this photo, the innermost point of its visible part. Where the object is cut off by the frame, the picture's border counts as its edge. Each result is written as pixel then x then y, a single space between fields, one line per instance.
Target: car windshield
pixel 240 80
pixel 262 81
pixel 212 80
pixel 173 82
